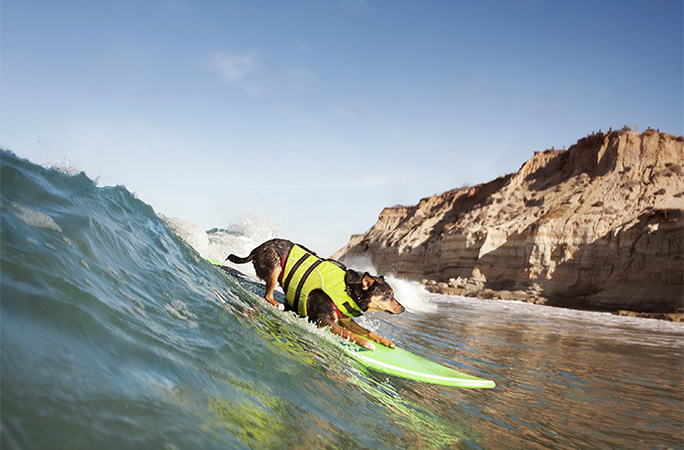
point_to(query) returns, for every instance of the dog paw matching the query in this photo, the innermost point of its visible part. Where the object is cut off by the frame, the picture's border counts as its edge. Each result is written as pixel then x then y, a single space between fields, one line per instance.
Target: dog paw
pixel 386 342
pixel 368 346
pixel 281 307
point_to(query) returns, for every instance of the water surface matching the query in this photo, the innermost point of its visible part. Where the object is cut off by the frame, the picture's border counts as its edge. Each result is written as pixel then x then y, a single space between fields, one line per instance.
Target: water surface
pixel 117 334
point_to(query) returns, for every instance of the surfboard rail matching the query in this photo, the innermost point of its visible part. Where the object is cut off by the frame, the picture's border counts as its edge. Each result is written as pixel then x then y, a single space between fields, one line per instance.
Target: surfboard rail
pixel 402 363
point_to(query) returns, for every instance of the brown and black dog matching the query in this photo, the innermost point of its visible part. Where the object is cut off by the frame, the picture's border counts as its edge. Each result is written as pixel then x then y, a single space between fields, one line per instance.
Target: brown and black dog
pixel 370 293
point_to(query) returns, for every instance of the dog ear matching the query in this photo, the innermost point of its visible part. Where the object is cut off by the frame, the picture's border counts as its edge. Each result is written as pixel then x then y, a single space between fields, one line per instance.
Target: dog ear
pixel 368 281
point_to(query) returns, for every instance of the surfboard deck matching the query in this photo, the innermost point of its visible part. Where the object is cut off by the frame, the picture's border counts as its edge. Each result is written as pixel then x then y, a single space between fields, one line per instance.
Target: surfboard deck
pixel 402 363
pixel 397 361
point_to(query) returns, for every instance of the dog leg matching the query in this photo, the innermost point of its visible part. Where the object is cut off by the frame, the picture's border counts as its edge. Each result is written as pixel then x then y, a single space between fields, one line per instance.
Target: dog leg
pixel 346 334
pixel 271 282
pixel 355 328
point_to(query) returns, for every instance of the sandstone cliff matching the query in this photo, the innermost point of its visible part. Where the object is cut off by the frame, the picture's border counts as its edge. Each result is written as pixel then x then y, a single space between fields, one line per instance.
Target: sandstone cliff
pixel 596 226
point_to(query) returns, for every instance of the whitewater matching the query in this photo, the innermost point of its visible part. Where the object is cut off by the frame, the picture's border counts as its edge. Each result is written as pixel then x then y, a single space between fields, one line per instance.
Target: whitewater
pixel 117 333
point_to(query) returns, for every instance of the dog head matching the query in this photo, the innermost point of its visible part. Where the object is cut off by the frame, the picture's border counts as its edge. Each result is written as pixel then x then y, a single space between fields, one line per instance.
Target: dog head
pixel 372 293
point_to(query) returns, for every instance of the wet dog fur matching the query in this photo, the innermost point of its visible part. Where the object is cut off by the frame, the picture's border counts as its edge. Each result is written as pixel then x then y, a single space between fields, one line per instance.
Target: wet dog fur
pixel 370 293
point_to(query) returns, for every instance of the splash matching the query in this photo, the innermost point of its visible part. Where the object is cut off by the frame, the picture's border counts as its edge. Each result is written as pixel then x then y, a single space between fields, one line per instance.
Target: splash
pixel 411 294
pixel 238 238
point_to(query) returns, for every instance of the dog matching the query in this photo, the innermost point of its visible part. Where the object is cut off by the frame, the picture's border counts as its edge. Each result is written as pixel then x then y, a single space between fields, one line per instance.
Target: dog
pixel 323 290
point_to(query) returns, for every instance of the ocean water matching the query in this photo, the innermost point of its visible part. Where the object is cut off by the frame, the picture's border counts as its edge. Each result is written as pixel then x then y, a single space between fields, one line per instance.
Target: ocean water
pixel 116 333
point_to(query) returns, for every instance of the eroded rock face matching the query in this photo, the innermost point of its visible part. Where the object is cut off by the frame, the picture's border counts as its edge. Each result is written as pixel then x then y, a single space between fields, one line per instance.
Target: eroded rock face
pixel 596 226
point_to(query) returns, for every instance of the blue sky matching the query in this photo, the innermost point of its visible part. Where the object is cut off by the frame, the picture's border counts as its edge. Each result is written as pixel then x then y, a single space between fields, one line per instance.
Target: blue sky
pixel 314 115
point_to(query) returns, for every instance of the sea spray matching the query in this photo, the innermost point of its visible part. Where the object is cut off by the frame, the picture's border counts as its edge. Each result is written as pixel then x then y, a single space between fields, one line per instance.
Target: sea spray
pixel 411 294
pixel 239 238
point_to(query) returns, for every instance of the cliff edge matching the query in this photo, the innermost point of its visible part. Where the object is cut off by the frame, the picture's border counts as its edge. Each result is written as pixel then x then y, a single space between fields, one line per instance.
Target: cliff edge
pixel 598 226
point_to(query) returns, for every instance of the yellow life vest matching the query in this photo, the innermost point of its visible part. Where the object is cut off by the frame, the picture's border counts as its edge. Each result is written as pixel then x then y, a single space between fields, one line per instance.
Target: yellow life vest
pixel 304 272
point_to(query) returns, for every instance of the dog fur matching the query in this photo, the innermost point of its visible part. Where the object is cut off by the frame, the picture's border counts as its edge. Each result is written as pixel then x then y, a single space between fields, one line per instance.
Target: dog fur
pixel 370 293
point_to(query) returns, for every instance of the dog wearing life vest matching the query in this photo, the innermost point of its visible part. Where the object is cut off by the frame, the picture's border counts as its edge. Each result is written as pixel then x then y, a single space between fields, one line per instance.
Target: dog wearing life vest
pixel 323 290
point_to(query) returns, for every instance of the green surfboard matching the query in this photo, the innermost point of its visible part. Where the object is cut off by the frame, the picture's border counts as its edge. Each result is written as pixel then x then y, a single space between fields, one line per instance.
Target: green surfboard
pixel 395 361
pixel 404 364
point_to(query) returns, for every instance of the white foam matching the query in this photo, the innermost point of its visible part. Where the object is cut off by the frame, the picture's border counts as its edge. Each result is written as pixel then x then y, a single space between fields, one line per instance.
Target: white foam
pixel 411 294
pixel 594 324
pixel 239 238
pixel 193 235
pixel 35 218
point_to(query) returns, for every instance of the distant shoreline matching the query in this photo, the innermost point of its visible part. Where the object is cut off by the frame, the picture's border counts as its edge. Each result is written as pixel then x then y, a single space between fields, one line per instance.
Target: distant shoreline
pixel 521 296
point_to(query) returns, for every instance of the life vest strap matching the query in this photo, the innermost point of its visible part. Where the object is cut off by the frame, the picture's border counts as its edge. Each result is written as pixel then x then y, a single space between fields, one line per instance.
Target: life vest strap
pixel 282 266
pixel 354 312
pixel 298 272
pixel 338 313
pixel 302 280
pixel 299 262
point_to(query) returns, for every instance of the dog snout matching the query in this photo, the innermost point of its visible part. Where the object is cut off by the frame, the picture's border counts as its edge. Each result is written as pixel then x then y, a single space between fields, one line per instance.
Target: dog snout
pixel 396 308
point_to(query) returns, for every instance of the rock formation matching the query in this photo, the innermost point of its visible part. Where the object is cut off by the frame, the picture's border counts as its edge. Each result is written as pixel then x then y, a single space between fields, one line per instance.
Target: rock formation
pixel 597 226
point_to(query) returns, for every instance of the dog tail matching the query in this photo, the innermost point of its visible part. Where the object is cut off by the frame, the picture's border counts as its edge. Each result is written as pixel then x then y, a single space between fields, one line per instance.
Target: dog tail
pixel 238 260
